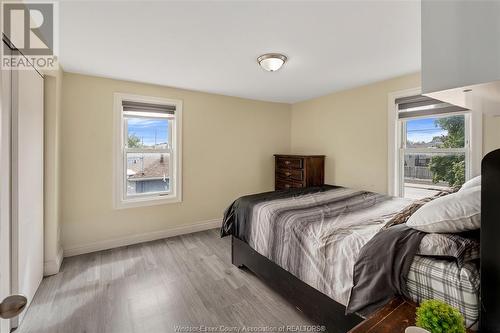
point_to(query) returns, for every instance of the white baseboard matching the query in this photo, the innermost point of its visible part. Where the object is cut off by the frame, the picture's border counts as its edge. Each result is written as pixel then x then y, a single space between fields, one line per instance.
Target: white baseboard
pixel 52 267
pixel 141 238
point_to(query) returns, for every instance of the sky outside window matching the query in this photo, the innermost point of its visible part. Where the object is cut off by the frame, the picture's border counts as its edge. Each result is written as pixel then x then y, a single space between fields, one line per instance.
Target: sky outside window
pixel 423 130
pixel 149 131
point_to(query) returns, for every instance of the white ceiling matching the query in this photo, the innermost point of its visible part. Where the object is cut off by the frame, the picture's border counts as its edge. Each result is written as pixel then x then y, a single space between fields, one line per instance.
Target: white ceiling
pixel 213 46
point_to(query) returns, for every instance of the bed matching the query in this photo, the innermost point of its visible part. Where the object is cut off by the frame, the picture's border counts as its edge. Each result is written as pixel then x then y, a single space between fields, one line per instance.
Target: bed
pixel 305 242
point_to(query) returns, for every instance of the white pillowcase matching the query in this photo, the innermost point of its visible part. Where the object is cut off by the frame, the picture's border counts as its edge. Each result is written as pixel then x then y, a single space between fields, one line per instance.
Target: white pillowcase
pixel 476 181
pixel 457 212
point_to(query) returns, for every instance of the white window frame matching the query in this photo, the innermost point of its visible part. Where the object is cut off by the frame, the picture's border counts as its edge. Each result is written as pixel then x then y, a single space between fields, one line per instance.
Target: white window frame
pixel 120 198
pixel 473 147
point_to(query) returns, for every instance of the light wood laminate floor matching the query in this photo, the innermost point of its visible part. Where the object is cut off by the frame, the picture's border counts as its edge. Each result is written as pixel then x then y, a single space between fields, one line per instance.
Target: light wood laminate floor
pixel 152 287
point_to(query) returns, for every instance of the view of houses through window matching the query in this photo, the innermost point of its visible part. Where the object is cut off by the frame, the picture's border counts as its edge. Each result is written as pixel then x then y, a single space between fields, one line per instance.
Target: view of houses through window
pixel 148 149
pixel 434 153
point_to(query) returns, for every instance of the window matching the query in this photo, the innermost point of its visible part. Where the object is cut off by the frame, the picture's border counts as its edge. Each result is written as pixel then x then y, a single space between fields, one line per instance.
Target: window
pixel 147 145
pixel 433 146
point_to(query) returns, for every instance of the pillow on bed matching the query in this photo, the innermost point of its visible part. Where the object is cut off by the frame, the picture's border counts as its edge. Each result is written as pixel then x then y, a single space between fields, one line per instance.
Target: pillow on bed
pixel 451 246
pixel 476 181
pixel 457 212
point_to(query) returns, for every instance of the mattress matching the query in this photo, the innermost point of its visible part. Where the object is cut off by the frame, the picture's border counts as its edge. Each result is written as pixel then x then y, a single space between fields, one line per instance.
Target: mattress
pixel 431 278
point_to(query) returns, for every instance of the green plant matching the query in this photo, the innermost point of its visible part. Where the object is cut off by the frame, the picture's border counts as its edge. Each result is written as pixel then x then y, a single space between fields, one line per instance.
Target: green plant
pixel 439 317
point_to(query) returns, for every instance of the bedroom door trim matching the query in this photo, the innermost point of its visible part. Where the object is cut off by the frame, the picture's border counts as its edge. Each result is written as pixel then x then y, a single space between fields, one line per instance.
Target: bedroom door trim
pixel 27 183
pixel 5 188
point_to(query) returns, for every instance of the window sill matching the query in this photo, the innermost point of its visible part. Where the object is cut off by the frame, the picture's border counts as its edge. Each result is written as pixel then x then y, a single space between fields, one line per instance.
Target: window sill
pixel 148 201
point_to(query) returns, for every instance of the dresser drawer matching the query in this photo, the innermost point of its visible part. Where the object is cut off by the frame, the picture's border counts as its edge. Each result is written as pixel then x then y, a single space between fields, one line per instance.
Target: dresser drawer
pixel 290 174
pixel 298 171
pixel 289 162
pixel 283 184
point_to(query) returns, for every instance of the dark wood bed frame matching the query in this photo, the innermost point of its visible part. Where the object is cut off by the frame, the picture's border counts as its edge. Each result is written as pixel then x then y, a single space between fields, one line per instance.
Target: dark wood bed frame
pixel 325 311
pixel 316 305
pixel 490 243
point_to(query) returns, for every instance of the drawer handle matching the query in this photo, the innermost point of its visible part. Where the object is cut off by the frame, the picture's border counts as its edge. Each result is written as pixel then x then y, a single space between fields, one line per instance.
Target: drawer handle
pixel 287 185
pixel 287 162
pixel 288 174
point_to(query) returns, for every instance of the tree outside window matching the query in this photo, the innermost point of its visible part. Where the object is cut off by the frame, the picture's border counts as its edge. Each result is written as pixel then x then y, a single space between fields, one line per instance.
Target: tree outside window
pixel 450 168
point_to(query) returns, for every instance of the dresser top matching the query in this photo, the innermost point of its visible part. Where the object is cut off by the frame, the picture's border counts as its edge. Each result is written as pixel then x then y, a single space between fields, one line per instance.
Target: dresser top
pixel 297 156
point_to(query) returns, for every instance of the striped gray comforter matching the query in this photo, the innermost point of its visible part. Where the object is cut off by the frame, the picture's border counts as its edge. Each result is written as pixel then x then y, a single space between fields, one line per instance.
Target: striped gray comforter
pixel 317 236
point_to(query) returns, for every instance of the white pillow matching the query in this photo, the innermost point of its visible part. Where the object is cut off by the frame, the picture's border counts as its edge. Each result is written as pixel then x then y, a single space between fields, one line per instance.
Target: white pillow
pixel 456 212
pixel 476 181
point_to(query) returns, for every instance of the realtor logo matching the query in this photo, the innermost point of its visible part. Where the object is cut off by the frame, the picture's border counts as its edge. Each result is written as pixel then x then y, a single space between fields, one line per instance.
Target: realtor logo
pixel 30 28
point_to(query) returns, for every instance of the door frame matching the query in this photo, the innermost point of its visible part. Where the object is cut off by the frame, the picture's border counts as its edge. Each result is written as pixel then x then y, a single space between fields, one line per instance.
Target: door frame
pixel 26 263
pixel 9 222
pixel 5 188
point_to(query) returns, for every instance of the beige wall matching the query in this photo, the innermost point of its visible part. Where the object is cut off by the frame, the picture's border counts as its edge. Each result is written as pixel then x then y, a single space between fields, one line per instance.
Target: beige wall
pixel 52 116
pixel 228 147
pixel 491 133
pixel 350 128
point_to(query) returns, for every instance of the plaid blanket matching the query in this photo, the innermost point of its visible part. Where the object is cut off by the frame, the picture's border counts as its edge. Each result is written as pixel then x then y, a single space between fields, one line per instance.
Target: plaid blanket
pixel 461 248
pixel 431 278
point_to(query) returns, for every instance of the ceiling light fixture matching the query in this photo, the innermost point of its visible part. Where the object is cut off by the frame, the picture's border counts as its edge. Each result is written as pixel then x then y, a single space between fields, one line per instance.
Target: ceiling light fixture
pixel 271 62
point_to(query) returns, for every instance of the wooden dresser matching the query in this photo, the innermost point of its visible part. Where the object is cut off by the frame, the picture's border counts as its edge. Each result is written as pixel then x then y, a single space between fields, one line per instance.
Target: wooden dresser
pixel 295 171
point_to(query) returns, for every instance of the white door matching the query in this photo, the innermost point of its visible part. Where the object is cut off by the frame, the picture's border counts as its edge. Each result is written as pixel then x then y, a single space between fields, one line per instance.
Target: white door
pixel 5 162
pixel 27 183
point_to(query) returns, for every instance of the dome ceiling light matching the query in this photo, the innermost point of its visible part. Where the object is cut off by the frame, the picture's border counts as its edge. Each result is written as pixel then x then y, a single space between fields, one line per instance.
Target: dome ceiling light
pixel 271 62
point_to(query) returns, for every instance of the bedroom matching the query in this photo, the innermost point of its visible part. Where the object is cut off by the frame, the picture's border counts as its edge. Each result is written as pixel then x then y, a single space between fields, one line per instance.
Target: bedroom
pixel 121 174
